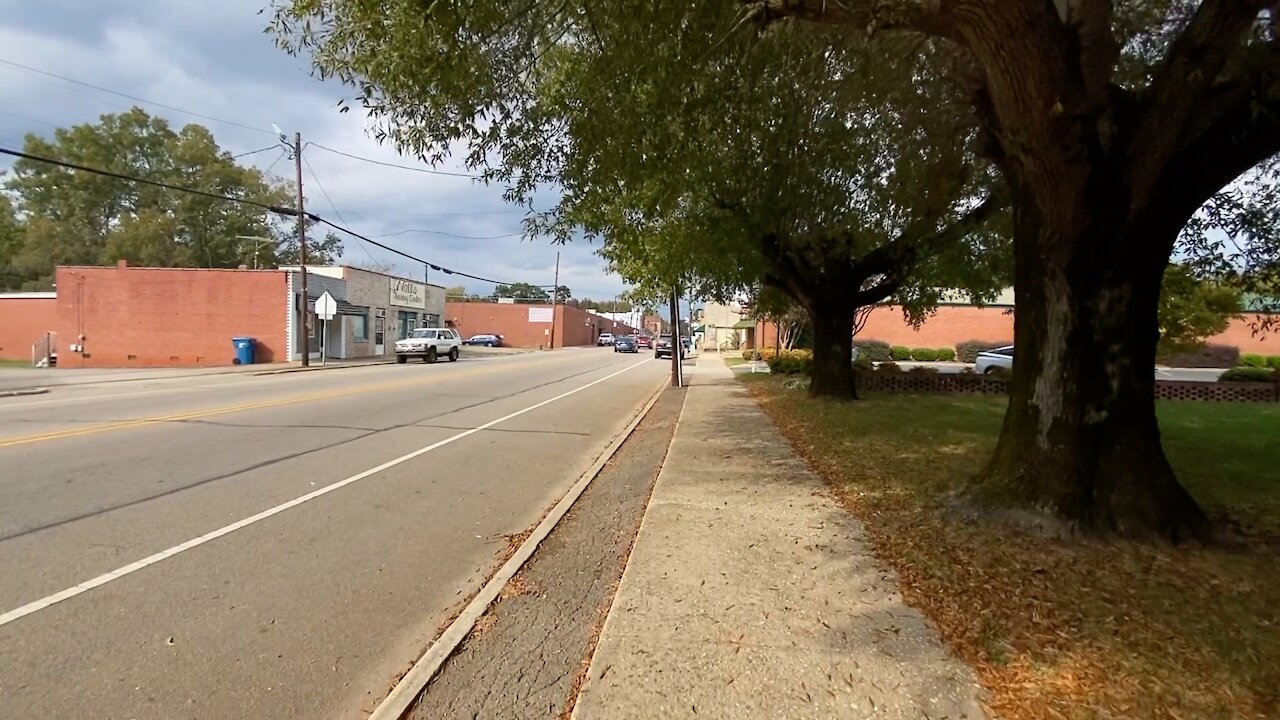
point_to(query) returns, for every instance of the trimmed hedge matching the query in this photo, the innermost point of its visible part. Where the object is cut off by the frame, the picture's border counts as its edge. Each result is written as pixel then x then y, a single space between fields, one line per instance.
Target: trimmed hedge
pixel 873 350
pixel 923 354
pixel 968 350
pixel 1249 374
pixel 1273 362
pixel 1253 360
pixel 792 362
pixel 946 354
pixel 899 353
pixel 889 367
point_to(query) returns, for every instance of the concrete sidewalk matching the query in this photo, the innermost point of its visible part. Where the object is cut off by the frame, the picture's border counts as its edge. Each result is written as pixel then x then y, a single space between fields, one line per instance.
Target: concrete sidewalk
pixel 751 594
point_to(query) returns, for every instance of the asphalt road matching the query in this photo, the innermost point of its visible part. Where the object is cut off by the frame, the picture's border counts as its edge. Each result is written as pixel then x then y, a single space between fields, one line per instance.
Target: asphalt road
pixel 276 547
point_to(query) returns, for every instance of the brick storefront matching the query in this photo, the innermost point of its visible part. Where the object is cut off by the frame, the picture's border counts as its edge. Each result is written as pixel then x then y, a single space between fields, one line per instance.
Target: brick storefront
pixel 24 320
pixel 521 328
pixel 160 317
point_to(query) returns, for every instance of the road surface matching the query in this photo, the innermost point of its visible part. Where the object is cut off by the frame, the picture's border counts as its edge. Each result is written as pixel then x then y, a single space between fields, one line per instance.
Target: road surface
pixel 228 546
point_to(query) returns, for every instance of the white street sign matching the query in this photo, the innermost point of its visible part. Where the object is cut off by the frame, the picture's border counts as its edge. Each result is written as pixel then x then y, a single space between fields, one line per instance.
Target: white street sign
pixel 326 306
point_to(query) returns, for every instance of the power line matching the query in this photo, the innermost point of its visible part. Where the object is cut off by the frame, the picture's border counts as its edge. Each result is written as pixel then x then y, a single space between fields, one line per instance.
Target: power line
pixel 288 212
pixel 135 98
pixel 255 152
pixel 333 207
pixel 428 171
pixel 452 235
pixel 129 178
pixel 368 213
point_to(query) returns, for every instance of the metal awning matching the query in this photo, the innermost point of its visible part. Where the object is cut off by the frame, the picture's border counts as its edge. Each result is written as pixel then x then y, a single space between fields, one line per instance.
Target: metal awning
pixel 744 325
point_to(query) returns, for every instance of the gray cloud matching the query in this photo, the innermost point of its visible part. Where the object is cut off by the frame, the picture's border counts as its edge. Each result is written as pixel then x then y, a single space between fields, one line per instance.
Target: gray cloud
pixel 215 59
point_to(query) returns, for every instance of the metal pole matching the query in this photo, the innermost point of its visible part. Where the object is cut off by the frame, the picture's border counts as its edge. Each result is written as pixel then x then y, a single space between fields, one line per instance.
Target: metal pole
pixel 302 253
pixel 324 344
pixel 677 371
pixel 555 301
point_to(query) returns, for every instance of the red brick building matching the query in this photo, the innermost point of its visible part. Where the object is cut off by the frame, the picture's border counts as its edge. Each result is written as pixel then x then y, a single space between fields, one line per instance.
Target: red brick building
pixel 529 326
pixel 25 320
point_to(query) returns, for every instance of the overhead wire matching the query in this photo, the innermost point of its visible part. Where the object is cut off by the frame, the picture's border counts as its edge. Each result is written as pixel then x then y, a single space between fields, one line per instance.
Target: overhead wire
pixel 333 207
pixel 135 98
pixel 452 235
pixel 427 171
pixel 288 212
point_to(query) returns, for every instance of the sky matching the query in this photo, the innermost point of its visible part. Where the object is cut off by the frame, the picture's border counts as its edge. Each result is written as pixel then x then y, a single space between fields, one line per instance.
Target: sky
pixel 213 59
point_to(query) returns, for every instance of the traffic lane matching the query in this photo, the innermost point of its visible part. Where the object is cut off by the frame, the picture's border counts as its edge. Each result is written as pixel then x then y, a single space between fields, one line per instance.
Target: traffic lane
pixel 67 513
pixel 83 407
pixel 313 612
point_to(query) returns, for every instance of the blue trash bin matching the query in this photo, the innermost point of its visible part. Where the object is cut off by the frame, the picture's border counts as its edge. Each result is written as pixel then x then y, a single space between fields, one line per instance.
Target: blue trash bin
pixel 244 349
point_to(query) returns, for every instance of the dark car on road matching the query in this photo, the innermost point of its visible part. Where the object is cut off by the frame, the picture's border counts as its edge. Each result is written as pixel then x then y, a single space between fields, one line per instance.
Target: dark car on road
pixel 485 340
pixel 626 344
pixel 662 348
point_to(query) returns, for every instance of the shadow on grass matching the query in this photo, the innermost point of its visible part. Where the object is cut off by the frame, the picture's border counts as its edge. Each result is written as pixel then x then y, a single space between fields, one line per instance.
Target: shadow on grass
pixel 1078 629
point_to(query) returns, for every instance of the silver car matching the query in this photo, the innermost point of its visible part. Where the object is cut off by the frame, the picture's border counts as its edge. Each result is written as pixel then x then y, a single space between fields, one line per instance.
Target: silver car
pixel 988 360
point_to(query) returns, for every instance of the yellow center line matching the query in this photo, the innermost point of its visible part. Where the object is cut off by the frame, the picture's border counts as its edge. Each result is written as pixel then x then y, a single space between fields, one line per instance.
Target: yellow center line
pixel 293 400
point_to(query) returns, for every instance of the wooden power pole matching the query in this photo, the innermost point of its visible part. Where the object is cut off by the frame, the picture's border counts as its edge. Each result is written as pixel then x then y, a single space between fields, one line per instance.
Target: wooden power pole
pixel 302 253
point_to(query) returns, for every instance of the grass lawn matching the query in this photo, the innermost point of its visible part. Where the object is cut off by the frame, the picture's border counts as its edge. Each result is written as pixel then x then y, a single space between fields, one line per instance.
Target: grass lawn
pixel 11 363
pixel 1068 629
pixel 732 360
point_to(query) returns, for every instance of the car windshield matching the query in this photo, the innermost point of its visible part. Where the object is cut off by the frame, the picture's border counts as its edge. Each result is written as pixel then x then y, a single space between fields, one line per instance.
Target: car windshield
pixel 428 334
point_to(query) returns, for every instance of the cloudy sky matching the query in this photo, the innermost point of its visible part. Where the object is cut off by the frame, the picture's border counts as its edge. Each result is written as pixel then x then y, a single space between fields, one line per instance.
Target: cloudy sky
pixel 213 59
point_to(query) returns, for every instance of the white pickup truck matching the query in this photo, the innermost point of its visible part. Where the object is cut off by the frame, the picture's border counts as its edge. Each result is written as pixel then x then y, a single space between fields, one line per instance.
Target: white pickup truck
pixel 430 344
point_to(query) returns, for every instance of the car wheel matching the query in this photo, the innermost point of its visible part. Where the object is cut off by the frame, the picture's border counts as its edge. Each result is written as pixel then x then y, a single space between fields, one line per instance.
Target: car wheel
pixel 401 359
pixel 488 344
pixel 430 357
pixel 453 354
pixel 990 369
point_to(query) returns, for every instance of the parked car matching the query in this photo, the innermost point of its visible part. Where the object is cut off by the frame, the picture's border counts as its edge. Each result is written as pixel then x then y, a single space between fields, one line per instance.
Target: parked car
pixel 988 360
pixel 484 340
pixel 644 341
pixel 429 344
pixel 663 348
pixel 604 339
pixel 626 343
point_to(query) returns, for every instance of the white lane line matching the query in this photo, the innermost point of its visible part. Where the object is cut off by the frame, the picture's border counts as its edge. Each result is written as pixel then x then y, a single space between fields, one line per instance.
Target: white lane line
pixel 87 585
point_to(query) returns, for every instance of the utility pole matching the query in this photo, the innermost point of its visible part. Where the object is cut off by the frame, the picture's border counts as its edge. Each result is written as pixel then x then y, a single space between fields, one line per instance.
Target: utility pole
pixel 302 253
pixel 555 301
pixel 677 348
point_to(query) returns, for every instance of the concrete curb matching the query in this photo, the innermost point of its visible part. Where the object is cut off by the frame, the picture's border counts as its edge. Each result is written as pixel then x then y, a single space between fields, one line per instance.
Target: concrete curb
pixel 23 391
pixel 315 368
pixel 415 681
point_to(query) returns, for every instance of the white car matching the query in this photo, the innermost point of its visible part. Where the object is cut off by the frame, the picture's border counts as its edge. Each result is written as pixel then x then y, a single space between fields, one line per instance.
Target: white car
pixel 430 344
pixel 604 339
pixel 988 360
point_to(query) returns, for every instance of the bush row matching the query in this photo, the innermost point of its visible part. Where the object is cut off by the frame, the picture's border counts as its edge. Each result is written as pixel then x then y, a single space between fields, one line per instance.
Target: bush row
pixel 1250 373
pixel 1260 361
pixel 899 353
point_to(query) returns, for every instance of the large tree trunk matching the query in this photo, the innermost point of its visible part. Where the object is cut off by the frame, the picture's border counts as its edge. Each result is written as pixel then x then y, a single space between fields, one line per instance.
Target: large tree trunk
pixel 832 353
pixel 1080 441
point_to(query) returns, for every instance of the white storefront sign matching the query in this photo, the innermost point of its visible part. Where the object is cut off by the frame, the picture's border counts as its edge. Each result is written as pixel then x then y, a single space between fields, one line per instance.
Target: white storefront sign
pixel 407 293
pixel 540 315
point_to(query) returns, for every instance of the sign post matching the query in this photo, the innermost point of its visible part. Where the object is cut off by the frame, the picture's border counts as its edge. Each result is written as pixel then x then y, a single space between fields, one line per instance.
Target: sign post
pixel 326 308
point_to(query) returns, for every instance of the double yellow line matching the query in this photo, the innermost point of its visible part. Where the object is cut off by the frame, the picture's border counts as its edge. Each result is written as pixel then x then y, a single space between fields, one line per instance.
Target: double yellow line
pixel 292 400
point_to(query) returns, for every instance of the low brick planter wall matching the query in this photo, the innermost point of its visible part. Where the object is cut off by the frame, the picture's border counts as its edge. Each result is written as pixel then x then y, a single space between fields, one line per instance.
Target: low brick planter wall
pixel 907 382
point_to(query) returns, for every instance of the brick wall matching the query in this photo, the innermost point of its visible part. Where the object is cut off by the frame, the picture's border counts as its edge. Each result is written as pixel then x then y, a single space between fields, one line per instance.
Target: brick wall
pixel 574 327
pixel 161 317
pixel 24 319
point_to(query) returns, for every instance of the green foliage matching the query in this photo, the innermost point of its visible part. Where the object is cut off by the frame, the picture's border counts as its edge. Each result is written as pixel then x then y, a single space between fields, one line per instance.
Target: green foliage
pixel 924 355
pixel 1249 374
pixel 1273 362
pixel 968 350
pixel 874 350
pixel 522 291
pixel 945 354
pixel 889 367
pixel 70 217
pixel 793 362
pixel 1253 360
pixel 900 352
pixel 922 370
pixel 1192 309
pixel 863 364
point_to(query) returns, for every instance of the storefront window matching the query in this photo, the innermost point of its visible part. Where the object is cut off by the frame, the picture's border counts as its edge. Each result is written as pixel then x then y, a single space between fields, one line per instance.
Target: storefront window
pixel 359 327
pixel 408 322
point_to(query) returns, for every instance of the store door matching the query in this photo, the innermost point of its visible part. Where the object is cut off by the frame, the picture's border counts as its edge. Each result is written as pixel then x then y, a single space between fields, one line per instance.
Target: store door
pixel 379 332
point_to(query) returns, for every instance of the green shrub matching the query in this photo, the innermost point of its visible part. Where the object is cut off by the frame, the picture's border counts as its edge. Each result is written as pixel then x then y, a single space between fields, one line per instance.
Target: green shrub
pixel 946 354
pixel 900 353
pixel 968 350
pixel 923 355
pixel 922 370
pixel 863 364
pixel 889 367
pixel 1273 362
pixel 873 350
pixel 791 362
pixel 1248 374
pixel 1253 360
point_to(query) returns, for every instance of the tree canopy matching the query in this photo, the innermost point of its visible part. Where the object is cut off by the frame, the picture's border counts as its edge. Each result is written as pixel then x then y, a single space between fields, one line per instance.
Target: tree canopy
pixel 69 217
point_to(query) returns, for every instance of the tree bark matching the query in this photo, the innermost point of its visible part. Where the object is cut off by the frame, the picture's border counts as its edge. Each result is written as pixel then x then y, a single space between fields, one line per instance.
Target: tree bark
pixel 1080 440
pixel 833 375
